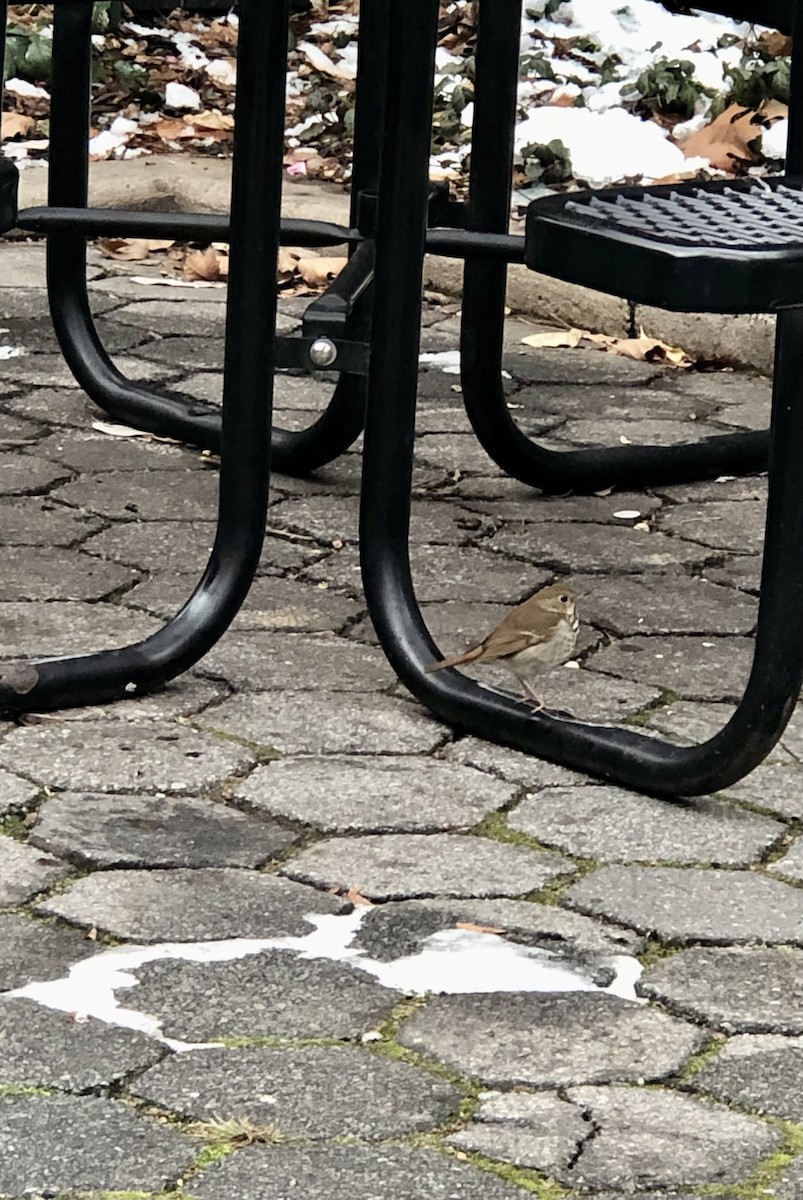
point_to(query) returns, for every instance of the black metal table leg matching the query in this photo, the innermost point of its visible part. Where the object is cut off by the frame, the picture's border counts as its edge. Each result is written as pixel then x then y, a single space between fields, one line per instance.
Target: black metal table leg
pixel 248 374
pixel 628 757
pixel 174 416
pixel 484 313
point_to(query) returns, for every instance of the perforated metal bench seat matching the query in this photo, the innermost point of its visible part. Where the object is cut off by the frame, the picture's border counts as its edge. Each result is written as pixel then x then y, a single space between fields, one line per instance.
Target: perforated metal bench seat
pixel 8 195
pixel 729 247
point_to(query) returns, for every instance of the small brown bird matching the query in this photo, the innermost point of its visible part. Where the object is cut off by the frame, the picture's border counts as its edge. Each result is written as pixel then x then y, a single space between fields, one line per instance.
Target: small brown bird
pixel 537 635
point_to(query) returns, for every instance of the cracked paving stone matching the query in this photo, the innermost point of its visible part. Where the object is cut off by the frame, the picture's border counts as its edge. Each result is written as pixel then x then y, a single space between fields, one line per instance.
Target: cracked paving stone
pixel 203 904
pixel 739 571
pixel 512 765
pixel 92 452
pixel 582 369
pixel 760 1073
pixel 597 549
pixel 34 521
pixel 454 452
pixel 43 1048
pixel 154 831
pixel 25 871
pixel 16 433
pixel 442 572
pixel 183 697
pixel 450 622
pixel 611 824
pixel 321 723
pixel 20 476
pixel 271 604
pixel 68 628
pixel 433 522
pixel 790 1185
pixel 605 431
pixel 722 525
pixel 688 721
pixel 601 510
pixel 718 986
pixel 301 1091
pixel 508 1038
pixel 184 547
pixel 37 574
pixel 180 496
pixel 58 408
pixel 374 794
pixel 658 1139
pixel 697 668
pixel 15 793
pixel 332 1172
pixel 408 866
pixel 34 950
pixel 632 605
pixel 398 929
pixel 541 1132
pixel 271 994
pixel 683 905
pixel 100 757
pixel 56 1144
pixel 51 371
pixel 270 662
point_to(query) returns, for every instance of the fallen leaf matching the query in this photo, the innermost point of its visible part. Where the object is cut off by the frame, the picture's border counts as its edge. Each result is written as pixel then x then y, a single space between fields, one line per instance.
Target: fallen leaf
pixel 317 272
pixel 124 249
pixel 647 349
pixel 206 265
pixel 15 124
pixel 733 140
pixel 569 338
pixel 355 896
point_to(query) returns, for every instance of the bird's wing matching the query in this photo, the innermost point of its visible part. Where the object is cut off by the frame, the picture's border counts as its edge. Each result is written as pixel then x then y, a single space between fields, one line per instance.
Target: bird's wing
pixel 503 644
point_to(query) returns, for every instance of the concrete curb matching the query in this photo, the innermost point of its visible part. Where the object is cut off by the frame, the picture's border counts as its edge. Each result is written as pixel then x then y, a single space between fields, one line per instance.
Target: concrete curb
pixel 186 183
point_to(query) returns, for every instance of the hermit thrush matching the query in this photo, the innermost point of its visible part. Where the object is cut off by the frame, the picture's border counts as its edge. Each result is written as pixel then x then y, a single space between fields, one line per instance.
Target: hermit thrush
pixel 537 635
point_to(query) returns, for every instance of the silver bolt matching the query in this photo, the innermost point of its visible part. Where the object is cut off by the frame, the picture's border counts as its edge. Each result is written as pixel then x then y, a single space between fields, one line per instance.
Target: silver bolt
pixel 323 352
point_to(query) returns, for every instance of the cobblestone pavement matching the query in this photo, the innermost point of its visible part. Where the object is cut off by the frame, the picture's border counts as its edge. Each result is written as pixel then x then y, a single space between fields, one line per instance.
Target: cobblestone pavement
pixel 289 776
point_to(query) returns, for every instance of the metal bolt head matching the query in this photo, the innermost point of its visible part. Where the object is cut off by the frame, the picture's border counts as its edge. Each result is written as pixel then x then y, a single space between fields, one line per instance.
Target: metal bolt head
pixel 323 352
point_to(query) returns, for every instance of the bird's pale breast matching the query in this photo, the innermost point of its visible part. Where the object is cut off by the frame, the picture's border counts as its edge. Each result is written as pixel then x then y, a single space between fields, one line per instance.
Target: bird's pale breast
pixel 549 653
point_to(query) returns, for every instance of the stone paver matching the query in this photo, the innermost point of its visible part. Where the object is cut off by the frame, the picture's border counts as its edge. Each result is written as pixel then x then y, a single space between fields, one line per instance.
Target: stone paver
pixel 96 757
pixel 611 824
pixel 329 1173
pixel 37 574
pixel 186 495
pixel 631 605
pixel 154 831
pixel 271 662
pixel 579 547
pixel 750 989
pixel 24 871
pixel 761 1074
pixel 550 1041
pixel 36 950
pixel 540 1131
pixel 648 1139
pixel 683 905
pixel 190 906
pixel 82 1144
pixel 301 1092
pixel 697 668
pixel 42 1048
pixel 69 627
pixel 374 794
pixel 398 928
pixel 292 723
pixel 723 525
pixel 397 866
pixel 272 994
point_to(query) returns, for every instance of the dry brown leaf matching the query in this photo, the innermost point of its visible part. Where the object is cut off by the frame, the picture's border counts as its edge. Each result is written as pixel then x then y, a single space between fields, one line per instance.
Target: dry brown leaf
pixel 732 140
pixel 15 124
pixel 317 272
pixel 555 339
pixel 649 349
pixel 124 249
pixel 470 927
pixel 355 896
pixel 211 120
pixel 209 265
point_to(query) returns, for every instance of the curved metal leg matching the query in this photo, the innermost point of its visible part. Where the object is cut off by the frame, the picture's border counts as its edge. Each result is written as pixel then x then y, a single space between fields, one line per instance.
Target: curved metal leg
pixel 174 416
pixel 484 307
pixel 245 443
pixel 627 757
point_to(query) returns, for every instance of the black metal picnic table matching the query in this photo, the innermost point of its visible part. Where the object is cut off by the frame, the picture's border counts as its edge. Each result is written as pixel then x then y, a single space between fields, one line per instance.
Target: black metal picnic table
pixel 723 246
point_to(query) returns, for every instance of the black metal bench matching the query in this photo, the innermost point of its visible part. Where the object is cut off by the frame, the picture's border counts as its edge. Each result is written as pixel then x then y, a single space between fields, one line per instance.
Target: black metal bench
pixel 8 195
pixel 674 255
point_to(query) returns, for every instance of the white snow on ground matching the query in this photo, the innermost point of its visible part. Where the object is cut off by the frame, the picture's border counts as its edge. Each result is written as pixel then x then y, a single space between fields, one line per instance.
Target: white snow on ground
pixel 452 961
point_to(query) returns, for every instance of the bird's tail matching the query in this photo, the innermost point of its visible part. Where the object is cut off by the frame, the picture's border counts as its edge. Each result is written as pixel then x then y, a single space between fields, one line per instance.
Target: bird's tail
pixel 459 660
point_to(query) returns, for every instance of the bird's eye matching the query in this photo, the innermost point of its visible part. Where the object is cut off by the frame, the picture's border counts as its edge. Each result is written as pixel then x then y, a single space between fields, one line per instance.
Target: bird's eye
pixel 564 599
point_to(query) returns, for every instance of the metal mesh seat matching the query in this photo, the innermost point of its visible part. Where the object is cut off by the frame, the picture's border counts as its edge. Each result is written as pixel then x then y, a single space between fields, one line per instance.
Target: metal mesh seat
pixel 8 195
pixel 713 247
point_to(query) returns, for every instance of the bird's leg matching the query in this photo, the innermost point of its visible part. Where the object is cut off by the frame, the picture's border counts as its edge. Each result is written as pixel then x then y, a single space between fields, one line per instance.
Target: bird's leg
pixel 530 696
